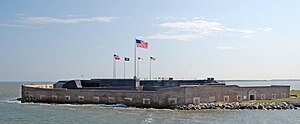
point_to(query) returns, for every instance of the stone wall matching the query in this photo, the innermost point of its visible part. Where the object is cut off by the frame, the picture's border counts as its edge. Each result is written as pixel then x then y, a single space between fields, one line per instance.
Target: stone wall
pixel 162 98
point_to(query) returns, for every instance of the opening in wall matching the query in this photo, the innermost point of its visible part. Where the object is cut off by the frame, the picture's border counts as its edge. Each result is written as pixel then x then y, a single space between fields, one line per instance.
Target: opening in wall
pixel 252 97
pixel 252 94
pixel 146 100
pixel 96 99
pixel 42 97
pixel 196 100
pixel 172 101
pixel 273 96
pixel 262 96
pixel 67 98
pixel 238 98
pixel 226 98
pixel 128 99
pixel 80 98
pixel 54 97
pixel 283 95
pixel 211 99
pixel 111 99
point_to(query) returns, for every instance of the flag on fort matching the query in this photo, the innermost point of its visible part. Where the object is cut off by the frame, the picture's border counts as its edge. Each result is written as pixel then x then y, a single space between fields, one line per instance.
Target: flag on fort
pixel 116 57
pixel 141 44
pixel 126 59
pixel 152 58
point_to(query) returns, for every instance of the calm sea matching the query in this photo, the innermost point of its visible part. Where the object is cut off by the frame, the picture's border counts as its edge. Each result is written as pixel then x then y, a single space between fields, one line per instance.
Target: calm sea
pixel 12 111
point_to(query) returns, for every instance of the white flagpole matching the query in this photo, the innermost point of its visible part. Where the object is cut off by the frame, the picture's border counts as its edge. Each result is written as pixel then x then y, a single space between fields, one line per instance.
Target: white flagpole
pixel 134 59
pixel 150 70
pixel 124 67
pixel 114 68
pixel 138 71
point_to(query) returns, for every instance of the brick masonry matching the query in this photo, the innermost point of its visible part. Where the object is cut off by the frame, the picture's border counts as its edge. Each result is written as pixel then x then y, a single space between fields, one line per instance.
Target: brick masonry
pixel 162 98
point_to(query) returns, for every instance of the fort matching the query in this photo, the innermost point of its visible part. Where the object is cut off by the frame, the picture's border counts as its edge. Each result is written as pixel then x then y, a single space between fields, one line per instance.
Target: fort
pixel 148 93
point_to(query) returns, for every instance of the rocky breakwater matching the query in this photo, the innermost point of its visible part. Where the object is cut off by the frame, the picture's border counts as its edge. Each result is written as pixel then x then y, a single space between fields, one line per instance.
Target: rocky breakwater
pixel 237 106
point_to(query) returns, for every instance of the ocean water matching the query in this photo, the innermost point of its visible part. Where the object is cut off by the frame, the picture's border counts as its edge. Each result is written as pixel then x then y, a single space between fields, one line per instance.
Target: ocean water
pixel 12 111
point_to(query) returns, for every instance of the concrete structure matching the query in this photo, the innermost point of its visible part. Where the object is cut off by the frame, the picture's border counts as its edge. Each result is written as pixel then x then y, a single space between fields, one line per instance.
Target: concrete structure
pixel 158 98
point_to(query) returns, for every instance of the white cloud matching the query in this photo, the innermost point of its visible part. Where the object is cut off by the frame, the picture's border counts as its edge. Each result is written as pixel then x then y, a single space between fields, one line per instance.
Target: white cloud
pixel 195 25
pixel 13 25
pixel 73 15
pixel 25 21
pixel 266 29
pixel 169 18
pixel 197 29
pixel 168 36
pixel 68 20
pixel 226 48
pixel 246 31
pixel 187 30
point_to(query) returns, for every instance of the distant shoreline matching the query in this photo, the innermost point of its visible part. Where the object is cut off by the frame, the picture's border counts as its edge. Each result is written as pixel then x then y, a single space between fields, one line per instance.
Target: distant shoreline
pixel 258 80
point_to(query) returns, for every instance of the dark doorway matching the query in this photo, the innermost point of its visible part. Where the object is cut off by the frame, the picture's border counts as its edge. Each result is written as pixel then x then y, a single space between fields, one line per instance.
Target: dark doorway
pixel 252 97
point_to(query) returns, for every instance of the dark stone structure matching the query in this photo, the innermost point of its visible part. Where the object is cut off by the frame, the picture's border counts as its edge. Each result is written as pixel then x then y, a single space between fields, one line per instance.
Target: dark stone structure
pixel 131 84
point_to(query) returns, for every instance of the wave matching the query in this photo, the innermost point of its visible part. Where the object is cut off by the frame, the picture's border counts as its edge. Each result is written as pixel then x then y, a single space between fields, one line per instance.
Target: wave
pixel 14 100
pixel 9 101
pixel 118 106
pixel 80 105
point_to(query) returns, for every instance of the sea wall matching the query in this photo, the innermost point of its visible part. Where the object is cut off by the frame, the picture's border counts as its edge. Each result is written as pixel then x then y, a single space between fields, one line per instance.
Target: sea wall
pixel 162 98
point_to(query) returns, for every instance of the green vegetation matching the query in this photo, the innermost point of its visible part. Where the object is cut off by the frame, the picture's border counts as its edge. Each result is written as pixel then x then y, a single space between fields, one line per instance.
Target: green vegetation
pixel 296 92
pixel 292 92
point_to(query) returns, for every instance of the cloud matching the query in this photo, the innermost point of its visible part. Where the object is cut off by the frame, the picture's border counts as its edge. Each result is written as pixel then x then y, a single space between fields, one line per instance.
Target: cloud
pixel 195 25
pixel 226 48
pixel 267 29
pixel 68 20
pixel 25 21
pixel 168 36
pixel 168 18
pixel 197 29
pixel 187 30
pixel 245 31
pixel 13 25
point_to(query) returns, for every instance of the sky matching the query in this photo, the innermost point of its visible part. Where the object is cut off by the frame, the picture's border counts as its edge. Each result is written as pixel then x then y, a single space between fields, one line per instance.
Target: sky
pixel 74 39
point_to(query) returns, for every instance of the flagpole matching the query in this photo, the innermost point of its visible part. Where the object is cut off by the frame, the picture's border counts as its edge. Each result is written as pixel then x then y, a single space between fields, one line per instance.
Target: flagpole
pixel 124 67
pixel 134 59
pixel 150 69
pixel 138 70
pixel 114 68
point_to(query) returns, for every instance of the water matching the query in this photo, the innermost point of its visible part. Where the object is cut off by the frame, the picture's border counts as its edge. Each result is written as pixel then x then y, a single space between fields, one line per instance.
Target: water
pixel 12 111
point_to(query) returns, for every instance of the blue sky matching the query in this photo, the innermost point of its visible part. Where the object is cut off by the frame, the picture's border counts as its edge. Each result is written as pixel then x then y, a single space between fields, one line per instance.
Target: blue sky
pixel 54 40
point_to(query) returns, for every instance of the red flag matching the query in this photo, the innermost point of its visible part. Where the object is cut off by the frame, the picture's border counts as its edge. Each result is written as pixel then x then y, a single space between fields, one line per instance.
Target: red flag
pixel 116 57
pixel 152 58
pixel 141 44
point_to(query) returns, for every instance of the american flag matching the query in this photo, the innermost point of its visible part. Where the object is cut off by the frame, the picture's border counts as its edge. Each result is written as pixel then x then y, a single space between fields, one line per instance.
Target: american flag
pixel 152 58
pixel 141 44
pixel 116 57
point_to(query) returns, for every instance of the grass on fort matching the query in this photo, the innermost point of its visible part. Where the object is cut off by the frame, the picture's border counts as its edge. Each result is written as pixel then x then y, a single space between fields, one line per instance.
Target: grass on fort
pixel 294 92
